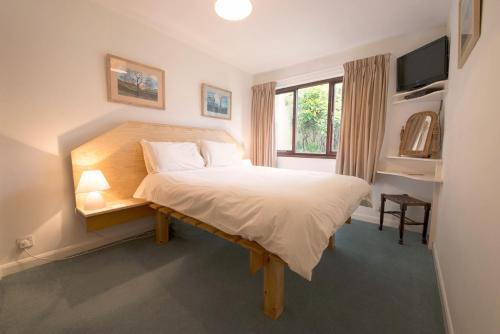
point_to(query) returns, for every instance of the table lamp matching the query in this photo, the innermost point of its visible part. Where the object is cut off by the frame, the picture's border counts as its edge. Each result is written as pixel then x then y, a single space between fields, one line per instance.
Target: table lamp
pixel 91 183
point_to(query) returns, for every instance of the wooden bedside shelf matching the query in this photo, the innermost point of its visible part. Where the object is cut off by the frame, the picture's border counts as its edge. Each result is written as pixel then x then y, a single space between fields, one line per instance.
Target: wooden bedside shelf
pixel 115 212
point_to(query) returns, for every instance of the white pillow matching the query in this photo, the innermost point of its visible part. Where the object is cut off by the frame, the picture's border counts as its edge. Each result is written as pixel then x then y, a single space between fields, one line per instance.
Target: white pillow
pixel 171 156
pixel 218 154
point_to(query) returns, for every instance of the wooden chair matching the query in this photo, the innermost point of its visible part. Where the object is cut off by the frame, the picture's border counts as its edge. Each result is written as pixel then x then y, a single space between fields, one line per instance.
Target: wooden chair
pixel 404 202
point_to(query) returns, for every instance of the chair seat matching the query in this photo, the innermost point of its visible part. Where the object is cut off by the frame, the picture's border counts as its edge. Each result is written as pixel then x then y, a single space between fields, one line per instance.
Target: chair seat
pixel 405 199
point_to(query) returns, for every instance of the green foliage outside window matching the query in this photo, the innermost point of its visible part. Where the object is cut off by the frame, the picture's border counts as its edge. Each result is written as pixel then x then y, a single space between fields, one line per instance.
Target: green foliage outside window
pixel 312 119
pixel 312 116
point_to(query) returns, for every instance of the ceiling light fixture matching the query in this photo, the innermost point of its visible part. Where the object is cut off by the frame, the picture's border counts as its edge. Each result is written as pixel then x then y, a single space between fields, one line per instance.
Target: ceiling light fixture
pixel 233 10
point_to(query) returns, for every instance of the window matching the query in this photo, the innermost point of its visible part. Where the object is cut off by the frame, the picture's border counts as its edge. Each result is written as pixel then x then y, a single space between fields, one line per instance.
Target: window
pixel 307 119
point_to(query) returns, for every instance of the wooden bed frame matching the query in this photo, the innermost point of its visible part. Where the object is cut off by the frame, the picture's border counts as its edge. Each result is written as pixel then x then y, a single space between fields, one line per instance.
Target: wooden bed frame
pixel 118 155
pixel 274 266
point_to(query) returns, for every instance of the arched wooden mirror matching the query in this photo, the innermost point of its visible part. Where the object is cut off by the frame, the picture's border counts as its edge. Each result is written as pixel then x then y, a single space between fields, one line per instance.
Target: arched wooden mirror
pixel 420 135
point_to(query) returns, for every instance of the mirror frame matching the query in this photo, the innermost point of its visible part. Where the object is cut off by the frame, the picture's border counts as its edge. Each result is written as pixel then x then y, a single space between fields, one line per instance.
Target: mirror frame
pixel 426 152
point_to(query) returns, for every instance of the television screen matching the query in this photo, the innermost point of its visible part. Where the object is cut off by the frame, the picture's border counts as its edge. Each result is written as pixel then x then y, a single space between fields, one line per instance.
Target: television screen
pixel 424 65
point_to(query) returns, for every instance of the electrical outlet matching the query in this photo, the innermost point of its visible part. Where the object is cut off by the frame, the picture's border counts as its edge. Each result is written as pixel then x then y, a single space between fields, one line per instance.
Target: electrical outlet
pixel 26 242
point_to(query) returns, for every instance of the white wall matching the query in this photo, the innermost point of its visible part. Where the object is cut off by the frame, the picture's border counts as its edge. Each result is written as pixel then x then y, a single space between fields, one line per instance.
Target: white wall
pixel 53 98
pixel 396 115
pixel 467 245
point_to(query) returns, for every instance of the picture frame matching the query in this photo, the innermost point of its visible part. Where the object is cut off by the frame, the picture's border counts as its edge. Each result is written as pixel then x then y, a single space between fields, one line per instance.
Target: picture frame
pixel 469 28
pixel 216 102
pixel 130 82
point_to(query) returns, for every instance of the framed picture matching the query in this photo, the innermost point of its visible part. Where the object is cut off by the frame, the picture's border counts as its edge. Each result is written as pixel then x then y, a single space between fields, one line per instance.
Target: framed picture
pixel 134 83
pixel 469 28
pixel 215 102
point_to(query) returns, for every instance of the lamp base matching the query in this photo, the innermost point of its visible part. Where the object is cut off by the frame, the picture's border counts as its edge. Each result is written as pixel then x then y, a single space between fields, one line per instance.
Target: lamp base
pixel 94 201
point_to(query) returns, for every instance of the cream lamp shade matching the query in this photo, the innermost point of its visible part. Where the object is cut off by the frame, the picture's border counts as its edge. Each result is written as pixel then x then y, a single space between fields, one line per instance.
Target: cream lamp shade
pixel 92 182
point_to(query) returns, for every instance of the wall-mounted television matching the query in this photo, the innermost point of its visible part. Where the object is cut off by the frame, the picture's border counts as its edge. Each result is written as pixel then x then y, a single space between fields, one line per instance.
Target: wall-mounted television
pixel 423 66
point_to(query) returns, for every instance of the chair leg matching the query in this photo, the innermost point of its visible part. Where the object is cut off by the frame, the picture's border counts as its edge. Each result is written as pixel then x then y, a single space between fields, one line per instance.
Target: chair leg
pixel 402 224
pixel 382 209
pixel 426 223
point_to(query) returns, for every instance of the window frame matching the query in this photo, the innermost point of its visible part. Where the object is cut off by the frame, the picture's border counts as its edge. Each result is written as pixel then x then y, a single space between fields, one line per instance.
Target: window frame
pixel 331 110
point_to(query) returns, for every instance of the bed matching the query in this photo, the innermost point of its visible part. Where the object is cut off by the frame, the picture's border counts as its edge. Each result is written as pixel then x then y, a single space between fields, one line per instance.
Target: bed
pixel 284 217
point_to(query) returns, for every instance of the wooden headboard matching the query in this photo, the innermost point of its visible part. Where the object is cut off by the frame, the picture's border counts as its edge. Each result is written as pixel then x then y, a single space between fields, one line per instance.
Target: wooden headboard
pixel 118 153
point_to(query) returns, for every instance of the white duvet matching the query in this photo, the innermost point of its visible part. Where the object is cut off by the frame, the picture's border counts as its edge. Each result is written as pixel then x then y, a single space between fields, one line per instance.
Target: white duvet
pixel 290 213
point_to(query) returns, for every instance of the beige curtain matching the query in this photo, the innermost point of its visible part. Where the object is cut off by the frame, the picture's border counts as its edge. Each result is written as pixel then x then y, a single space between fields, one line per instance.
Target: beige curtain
pixel 263 146
pixel 363 116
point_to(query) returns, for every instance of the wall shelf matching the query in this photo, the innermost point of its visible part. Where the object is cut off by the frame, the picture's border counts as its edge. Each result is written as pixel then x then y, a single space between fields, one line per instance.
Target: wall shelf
pixel 414 158
pixel 432 97
pixel 414 172
pixel 438 84
pixel 399 98
pixel 412 176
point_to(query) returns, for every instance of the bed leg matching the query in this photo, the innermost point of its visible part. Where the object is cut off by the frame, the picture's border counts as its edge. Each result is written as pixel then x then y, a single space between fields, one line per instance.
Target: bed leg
pixel 274 286
pixel 161 228
pixel 331 242
pixel 256 261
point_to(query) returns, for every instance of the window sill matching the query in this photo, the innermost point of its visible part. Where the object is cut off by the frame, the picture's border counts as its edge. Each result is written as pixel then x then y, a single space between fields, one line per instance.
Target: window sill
pixel 307 155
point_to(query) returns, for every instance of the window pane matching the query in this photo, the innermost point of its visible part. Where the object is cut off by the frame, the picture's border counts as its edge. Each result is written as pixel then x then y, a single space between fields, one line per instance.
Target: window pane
pixel 337 115
pixel 312 115
pixel 284 121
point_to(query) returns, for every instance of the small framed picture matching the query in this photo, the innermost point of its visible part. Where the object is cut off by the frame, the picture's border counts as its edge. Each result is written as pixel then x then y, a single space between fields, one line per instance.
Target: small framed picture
pixel 135 83
pixel 215 102
pixel 469 28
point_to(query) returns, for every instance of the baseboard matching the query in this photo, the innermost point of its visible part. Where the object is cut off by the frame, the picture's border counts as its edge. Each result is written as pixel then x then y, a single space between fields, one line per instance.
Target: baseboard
pixel 13 267
pixel 442 293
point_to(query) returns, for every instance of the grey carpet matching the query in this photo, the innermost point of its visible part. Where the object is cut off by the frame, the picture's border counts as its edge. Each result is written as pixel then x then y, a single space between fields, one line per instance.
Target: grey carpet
pixel 199 283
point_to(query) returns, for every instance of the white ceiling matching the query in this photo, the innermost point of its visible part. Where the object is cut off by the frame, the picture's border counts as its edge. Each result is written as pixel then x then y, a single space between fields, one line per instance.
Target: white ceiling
pixel 279 33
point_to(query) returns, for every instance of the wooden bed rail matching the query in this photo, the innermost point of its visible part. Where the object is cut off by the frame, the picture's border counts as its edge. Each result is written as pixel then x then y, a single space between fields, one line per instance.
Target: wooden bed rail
pixel 274 266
